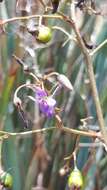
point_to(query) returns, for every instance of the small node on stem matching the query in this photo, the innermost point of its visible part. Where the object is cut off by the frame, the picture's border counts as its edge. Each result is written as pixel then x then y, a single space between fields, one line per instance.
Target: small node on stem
pixel 64 170
pixel 17 101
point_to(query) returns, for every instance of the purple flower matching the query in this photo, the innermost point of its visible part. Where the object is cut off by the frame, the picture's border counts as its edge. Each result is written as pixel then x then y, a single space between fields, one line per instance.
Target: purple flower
pixel 46 103
pixel 40 93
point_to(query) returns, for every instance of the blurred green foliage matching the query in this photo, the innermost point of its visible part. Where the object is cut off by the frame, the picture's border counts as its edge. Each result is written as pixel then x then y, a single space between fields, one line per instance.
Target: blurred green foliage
pixel 25 158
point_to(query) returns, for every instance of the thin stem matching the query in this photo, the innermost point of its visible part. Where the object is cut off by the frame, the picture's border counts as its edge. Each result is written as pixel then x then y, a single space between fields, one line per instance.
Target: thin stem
pixel 74 156
pixel 89 65
pixel 81 133
pixel 55 91
pixel 30 17
pixel 50 75
pixel 18 60
pixel 65 32
pixel 31 86
pixel 34 76
pixel 99 47
pixel 73 10
pixel 65 129
pixel 74 151
pixel 40 20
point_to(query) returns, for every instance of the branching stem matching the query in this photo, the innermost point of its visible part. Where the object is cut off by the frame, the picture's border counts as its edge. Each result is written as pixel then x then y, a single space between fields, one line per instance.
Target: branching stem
pixel 99 47
pixel 6 21
pixel 65 129
pixel 88 62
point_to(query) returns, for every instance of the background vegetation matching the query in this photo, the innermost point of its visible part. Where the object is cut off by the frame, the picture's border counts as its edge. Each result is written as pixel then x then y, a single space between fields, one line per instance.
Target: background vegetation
pixel 38 158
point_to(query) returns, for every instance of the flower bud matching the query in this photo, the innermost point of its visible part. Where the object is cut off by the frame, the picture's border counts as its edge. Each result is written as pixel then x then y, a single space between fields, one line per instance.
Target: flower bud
pixel 6 180
pixel 75 179
pixel 62 172
pixel 64 81
pixel 44 34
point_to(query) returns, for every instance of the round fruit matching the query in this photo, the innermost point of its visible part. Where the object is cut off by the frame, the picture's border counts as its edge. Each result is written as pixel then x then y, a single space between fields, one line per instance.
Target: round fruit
pixel 44 34
pixel 75 178
pixel 6 179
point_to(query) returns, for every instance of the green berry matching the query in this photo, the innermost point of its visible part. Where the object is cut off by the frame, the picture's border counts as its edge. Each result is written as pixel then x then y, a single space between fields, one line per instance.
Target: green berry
pixel 75 178
pixel 44 34
pixel 6 179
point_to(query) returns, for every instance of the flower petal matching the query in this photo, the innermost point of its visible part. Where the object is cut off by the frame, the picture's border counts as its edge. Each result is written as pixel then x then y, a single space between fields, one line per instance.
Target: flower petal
pixel 40 93
pixel 51 101
pixel 47 106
